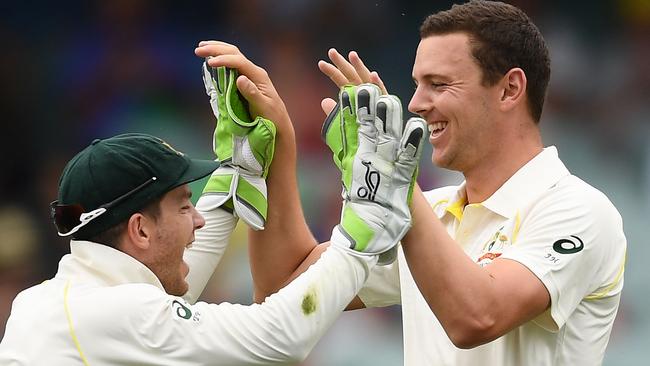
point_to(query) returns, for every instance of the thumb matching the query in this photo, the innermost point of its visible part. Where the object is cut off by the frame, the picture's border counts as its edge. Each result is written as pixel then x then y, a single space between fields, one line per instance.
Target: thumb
pixel 327 105
pixel 249 90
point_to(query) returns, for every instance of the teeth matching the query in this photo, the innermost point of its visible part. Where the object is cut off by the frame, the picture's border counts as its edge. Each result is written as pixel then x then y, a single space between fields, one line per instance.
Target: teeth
pixel 437 126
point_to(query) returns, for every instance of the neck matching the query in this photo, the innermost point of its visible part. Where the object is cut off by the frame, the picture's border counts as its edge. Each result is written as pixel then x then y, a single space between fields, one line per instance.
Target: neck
pixel 496 167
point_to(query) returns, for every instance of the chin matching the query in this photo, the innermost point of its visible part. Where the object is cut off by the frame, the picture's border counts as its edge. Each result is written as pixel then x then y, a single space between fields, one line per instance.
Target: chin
pixel 446 161
pixel 439 161
pixel 177 285
pixel 178 289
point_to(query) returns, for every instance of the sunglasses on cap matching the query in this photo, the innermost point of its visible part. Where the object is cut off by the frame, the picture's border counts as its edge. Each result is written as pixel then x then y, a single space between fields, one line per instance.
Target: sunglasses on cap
pixel 68 219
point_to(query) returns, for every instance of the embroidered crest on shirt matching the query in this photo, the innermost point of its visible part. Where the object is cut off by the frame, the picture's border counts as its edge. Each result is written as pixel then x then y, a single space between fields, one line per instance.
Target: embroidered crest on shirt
pixel 493 248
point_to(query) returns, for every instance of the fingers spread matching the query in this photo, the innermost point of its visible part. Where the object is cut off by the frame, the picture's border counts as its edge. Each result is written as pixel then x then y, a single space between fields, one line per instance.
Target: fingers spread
pixel 333 73
pixel 360 68
pixel 375 79
pixel 354 71
pixel 344 67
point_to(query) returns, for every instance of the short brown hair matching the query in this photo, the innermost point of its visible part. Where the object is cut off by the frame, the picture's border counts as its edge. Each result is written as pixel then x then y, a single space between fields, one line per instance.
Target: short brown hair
pixel 502 37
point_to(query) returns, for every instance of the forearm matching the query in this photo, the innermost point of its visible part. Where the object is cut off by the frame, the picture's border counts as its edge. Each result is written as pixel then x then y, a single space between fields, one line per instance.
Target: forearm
pixel 466 299
pixel 288 324
pixel 332 284
pixel 278 250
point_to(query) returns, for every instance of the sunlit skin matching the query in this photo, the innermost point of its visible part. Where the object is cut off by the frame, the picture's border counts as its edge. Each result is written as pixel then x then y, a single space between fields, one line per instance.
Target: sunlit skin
pixel 159 242
pixel 449 93
pixel 483 131
pixel 489 135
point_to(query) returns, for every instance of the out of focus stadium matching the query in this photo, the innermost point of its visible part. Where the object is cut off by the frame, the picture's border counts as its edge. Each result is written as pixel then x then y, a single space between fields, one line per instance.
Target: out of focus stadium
pixel 82 70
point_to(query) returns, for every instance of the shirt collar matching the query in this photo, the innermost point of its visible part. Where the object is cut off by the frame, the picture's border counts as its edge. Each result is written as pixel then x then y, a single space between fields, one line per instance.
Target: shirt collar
pixel 98 263
pixel 532 179
pixel 457 202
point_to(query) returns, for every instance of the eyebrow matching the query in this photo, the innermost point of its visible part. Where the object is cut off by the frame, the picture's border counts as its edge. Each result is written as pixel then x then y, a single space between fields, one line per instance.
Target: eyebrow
pixel 186 195
pixel 430 76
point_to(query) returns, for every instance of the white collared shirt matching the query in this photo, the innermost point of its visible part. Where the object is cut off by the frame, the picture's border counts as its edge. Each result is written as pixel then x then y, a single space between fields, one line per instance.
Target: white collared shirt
pixel 562 229
pixel 103 307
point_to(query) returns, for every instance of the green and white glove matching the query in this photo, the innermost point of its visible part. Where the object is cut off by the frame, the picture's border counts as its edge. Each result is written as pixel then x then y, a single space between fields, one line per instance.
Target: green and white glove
pixel 378 157
pixel 244 146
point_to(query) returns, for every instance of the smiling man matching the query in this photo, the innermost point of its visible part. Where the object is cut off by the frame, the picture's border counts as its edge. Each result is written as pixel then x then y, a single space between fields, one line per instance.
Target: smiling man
pixel 126 293
pixel 520 264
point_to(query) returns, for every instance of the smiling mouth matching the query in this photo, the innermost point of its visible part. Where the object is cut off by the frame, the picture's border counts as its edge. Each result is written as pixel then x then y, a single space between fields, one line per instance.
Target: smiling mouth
pixel 437 128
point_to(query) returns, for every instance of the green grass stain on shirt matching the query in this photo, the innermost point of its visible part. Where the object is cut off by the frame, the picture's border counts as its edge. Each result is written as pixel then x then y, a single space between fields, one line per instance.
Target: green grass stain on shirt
pixel 309 302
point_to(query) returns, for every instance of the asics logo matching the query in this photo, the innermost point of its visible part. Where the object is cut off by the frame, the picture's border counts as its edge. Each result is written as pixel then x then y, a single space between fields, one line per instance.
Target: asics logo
pixel 372 183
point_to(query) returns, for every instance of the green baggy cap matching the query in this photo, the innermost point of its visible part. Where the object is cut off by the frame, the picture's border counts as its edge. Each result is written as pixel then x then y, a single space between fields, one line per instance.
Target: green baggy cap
pixel 128 170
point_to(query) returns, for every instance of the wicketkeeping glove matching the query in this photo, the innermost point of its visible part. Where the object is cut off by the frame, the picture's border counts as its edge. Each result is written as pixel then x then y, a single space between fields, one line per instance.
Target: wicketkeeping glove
pixel 378 157
pixel 244 146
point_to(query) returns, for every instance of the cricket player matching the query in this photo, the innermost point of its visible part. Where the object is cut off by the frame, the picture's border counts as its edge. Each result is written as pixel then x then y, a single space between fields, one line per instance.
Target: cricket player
pixel 141 253
pixel 520 264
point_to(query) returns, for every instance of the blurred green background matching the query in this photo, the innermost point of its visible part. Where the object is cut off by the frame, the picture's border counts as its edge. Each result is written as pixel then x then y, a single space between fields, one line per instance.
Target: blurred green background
pixel 74 71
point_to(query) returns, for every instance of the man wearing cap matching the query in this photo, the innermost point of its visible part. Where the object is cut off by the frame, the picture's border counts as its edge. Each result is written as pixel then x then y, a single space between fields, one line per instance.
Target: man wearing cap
pixel 124 296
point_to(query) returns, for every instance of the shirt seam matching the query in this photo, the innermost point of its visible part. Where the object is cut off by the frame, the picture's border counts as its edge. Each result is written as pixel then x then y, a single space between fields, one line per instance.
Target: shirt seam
pixel 70 325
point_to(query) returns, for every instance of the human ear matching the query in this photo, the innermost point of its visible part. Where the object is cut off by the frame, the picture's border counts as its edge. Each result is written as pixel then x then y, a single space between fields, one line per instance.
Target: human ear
pixel 513 89
pixel 139 230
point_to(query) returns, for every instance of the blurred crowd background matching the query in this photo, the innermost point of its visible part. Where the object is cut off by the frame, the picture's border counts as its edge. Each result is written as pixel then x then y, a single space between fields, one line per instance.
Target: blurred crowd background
pixel 74 71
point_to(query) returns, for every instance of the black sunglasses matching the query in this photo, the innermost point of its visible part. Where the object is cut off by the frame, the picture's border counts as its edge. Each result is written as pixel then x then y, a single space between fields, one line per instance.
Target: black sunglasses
pixel 68 219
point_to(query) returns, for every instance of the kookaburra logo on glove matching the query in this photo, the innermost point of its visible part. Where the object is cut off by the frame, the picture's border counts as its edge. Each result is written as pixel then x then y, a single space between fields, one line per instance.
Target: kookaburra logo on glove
pixel 378 155
pixel 372 183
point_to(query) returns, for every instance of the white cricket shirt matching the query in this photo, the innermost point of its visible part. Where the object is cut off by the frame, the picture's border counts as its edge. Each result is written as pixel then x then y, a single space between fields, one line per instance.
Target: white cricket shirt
pixel 562 229
pixel 103 307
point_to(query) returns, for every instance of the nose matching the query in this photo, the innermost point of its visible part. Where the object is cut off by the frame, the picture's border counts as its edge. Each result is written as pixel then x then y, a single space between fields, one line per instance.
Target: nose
pixel 199 221
pixel 417 104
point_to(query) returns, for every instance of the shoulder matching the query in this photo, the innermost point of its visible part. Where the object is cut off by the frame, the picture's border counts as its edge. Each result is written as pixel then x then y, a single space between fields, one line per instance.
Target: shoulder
pixel 574 209
pixel 29 299
pixel 112 306
pixel 579 199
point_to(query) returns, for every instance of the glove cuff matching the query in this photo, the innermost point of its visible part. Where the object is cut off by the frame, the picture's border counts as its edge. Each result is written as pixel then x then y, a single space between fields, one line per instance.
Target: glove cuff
pixel 250 200
pixel 220 188
pixel 342 240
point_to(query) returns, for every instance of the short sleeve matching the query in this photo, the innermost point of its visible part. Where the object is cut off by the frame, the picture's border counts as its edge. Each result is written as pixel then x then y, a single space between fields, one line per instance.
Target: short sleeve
pixel 573 241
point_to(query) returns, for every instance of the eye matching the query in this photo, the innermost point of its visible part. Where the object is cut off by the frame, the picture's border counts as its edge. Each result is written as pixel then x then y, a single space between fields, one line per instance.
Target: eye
pixel 438 85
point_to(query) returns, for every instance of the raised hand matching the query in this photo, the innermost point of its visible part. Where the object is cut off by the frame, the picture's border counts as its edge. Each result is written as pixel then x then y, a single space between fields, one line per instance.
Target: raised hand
pixel 347 72
pixel 245 147
pixel 253 82
pixel 378 156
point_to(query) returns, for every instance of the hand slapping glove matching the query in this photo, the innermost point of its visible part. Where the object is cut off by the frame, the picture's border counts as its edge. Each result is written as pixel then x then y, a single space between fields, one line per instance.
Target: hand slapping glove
pixel 378 157
pixel 245 147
